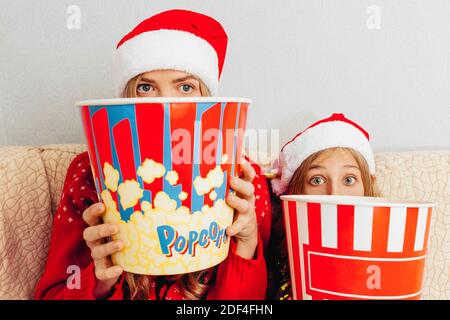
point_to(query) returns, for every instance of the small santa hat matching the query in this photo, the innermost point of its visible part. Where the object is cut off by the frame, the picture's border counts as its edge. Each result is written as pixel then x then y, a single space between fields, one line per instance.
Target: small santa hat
pixel 332 132
pixel 176 39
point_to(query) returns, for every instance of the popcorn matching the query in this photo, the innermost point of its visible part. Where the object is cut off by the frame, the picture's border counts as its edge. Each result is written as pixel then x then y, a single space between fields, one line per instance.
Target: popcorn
pixel 176 269
pixel 111 215
pixel 224 159
pixel 110 204
pixel 164 238
pixel 186 241
pixel 163 202
pixel 182 196
pixel 213 195
pixel 130 192
pixel 172 177
pixel 146 206
pixel 150 170
pixel 183 213
pixel 214 179
pixel 139 269
pixel 111 177
pixel 137 218
pixel 130 260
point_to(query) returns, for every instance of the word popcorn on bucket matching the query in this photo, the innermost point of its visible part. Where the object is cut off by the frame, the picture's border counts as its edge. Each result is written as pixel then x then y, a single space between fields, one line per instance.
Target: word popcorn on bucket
pixel 343 247
pixel 172 215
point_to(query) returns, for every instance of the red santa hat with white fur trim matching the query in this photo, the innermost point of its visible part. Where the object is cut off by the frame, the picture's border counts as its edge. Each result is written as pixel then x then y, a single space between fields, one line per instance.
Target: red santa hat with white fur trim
pixel 332 132
pixel 172 40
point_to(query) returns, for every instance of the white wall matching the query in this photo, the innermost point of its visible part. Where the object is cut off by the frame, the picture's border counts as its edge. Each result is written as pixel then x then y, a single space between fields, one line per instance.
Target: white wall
pixel 298 61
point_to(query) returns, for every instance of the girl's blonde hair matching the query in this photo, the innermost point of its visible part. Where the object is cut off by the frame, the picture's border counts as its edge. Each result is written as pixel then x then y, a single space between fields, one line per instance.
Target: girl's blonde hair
pixel 193 285
pixel 297 183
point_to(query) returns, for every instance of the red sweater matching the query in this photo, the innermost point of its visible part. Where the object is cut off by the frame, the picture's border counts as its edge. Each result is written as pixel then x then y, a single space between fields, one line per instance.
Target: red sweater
pixel 236 277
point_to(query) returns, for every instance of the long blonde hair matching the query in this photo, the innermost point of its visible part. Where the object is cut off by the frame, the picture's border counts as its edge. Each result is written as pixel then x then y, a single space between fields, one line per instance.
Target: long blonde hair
pixel 193 285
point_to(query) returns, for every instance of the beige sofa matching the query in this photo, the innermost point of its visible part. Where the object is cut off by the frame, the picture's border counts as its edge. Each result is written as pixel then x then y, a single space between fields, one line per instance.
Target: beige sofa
pixel 31 181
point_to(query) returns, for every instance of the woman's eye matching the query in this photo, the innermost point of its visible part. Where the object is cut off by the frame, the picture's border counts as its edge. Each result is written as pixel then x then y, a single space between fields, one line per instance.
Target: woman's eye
pixel 349 181
pixel 144 87
pixel 186 88
pixel 317 181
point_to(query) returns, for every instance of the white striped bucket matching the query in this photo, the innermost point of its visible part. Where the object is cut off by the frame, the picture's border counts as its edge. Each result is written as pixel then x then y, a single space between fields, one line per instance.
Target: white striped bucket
pixel 343 247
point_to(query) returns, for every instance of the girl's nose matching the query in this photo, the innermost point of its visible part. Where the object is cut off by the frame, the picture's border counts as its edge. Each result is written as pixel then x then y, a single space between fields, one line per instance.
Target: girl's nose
pixel 165 93
pixel 334 189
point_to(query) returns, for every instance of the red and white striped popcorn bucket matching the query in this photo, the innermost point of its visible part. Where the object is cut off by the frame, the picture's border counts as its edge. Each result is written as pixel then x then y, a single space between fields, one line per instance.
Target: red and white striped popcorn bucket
pixel 344 247
pixel 162 166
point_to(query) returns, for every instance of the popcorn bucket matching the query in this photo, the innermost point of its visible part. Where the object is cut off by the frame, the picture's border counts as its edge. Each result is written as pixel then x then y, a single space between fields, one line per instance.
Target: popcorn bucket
pixel 161 167
pixel 343 247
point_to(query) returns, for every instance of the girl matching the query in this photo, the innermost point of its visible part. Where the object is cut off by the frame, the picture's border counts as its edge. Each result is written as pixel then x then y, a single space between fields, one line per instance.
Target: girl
pixel 176 53
pixel 331 157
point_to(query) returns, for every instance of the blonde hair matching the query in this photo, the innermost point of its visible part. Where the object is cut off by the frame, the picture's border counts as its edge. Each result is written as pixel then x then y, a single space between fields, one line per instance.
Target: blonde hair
pixel 193 285
pixel 297 183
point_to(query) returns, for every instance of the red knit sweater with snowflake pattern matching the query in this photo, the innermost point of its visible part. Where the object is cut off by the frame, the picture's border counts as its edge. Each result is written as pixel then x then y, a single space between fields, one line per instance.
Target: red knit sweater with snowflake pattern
pixel 235 278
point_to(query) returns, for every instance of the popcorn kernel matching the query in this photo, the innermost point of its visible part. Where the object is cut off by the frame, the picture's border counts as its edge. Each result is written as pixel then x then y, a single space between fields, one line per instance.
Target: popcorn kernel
pixel 172 177
pixel 111 177
pixel 150 170
pixel 130 193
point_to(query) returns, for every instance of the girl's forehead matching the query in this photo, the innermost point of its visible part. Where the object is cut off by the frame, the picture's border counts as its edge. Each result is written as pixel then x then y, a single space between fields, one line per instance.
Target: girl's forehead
pixel 337 156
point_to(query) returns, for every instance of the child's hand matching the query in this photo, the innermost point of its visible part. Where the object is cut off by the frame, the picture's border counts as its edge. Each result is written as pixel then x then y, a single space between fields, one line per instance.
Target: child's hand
pixel 96 239
pixel 244 227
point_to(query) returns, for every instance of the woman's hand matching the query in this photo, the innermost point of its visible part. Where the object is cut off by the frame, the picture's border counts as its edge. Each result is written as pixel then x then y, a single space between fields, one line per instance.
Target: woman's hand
pixel 96 239
pixel 244 227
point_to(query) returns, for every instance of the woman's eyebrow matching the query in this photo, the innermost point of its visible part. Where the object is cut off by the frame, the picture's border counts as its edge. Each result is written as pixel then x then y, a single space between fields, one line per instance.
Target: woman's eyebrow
pixel 147 80
pixel 351 166
pixel 184 79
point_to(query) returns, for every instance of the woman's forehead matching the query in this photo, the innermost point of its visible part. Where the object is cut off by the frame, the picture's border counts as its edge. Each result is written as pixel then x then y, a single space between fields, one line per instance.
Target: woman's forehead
pixel 167 73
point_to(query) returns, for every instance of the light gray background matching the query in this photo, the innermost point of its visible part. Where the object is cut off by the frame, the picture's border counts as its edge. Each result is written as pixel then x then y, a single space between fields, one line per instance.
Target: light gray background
pixel 298 60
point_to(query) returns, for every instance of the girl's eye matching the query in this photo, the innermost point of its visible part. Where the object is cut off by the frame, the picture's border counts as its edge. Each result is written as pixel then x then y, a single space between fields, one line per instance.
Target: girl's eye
pixel 316 181
pixel 186 88
pixel 349 180
pixel 144 87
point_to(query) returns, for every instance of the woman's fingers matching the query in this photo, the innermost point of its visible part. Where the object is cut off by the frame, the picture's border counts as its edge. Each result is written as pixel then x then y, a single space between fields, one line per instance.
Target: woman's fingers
pixel 105 250
pixel 108 273
pixel 240 205
pixel 242 187
pixel 95 236
pixel 98 232
pixel 243 214
pixel 104 269
pixel 235 228
pixel 248 173
pixel 92 214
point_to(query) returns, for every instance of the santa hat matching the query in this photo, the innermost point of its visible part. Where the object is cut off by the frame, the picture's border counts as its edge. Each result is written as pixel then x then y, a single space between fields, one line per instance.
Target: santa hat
pixel 176 39
pixel 332 132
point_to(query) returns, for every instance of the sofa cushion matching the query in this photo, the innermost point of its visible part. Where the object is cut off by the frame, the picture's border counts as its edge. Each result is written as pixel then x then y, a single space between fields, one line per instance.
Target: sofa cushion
pixel 31 181
pixel 57 158
pixel 24 220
